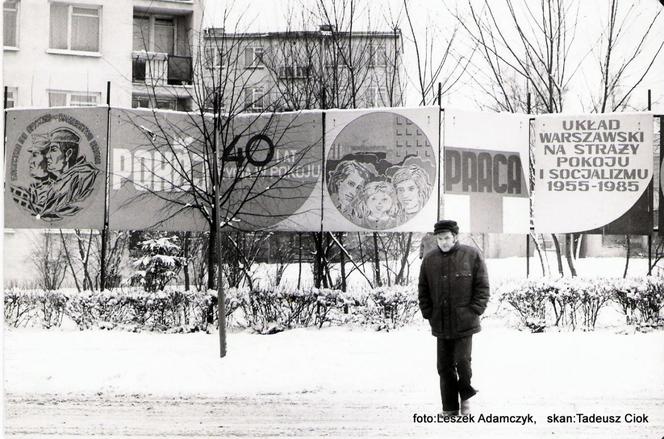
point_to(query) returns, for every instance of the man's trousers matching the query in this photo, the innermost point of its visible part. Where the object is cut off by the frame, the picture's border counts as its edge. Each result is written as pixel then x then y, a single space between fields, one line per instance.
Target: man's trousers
pixel 454 371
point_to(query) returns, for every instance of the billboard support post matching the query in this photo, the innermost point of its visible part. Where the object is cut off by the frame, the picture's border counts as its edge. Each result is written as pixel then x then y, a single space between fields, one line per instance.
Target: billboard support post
pixel 104 229
pixel 650 200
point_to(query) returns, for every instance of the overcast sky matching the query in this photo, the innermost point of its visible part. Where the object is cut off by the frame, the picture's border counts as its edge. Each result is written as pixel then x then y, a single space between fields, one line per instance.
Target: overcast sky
pixel 435 18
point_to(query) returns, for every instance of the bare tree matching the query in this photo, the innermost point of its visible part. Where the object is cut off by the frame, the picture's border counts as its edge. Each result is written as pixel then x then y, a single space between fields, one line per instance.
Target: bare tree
pixel 435 64
pixel 536 50
pixel 219 148
pixel 49 260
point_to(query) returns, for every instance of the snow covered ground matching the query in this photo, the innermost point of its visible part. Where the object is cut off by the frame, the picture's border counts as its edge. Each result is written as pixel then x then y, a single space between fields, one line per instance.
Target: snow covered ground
pixel 337 382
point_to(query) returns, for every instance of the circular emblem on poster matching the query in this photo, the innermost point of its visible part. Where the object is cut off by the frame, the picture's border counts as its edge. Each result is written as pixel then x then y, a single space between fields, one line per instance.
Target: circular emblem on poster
pixel 54 166
pixel 380 170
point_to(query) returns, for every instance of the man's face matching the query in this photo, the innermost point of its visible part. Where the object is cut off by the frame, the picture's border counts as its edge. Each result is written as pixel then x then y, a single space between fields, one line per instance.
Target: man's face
pixel 55 159
pixel 348 188
pixel 407 194
pixel 446 241
pixel 37 164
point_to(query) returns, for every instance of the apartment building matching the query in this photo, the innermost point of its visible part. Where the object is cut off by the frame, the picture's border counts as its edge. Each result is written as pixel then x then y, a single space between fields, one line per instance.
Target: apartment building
pixel 62 53
pixel 304 69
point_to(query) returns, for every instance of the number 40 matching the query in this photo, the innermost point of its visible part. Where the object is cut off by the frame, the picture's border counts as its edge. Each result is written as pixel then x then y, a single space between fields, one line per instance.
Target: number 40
pixel 251 149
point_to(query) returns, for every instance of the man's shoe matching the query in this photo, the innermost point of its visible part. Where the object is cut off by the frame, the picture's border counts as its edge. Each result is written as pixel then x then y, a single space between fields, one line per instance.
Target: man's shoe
pixel 450 412
pixel 465 407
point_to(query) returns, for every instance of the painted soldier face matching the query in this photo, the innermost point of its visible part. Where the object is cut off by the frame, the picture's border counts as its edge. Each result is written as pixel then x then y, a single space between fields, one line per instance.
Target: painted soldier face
pixel 56 160
pixel 408 196
pixel 379 203
pixel 347 189
pixel 446 240
pixel 37 164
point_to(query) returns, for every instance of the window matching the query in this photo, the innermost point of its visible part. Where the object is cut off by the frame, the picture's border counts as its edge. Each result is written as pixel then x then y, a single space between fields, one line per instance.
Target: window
pixel 142 33
pixel 59 98
pixel 212 57
pixel 254 98
pixel 140 101
pixel 161 102
pixel 10 33
pixel 154 34
pixel 292 72
pixel 376 96
pixel 377 55
pixel 164 35
pixel 210 95
pixel 253 57
pixel 12 97
pixel 74 27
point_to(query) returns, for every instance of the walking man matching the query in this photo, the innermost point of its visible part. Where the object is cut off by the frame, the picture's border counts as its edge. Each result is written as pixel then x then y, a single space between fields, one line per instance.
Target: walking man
pixel 453 293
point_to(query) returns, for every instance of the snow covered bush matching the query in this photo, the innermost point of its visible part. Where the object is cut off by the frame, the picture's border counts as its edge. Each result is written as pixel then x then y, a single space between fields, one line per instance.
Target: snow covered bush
pixel 577 302
pixel 640 299
pixel 529 299
pixel 20 308
pixel 380 308
pixel 265 309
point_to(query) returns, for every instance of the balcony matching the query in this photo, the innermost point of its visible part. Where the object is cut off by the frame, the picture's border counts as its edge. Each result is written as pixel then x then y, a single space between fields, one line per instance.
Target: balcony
pixel 160 69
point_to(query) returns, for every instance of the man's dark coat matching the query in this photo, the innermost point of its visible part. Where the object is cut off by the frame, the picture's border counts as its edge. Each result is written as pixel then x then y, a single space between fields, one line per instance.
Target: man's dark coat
pixel 453 291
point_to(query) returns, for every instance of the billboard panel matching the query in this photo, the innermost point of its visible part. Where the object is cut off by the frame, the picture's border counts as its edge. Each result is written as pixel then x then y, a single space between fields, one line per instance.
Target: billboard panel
pixel 158 171
pixel 272 171
pixel 593 173
pixel 269 166
pixel 55 168
pixel 484 184
pixel 381 169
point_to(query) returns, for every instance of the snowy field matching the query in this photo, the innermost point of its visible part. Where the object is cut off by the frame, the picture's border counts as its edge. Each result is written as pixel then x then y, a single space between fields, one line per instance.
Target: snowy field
pixel 336 382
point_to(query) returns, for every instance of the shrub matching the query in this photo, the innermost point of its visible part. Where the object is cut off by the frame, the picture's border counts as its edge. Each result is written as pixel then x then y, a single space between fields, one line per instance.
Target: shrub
pixel 577 302
pixel 266 310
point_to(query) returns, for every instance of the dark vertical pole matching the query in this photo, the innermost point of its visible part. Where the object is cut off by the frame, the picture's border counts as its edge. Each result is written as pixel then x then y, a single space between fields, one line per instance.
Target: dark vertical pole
pixel 299 259
pixel 650 198
pixel 319 239
pixel 529 163
pixel 221 301
pixel 439 204
pixel 4 107
pixel 4 132
pixel 104 229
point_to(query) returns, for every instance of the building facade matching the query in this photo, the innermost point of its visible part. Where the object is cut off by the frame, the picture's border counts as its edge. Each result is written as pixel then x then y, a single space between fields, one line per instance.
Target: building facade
pixel 296 70
pixel 60 53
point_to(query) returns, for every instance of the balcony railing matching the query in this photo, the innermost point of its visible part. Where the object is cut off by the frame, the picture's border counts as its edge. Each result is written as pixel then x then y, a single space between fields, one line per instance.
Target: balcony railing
pixel 161 69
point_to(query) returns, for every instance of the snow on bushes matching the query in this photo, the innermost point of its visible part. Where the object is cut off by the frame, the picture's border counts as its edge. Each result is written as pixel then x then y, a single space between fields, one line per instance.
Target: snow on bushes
pixel 576 302
pixel 563 302
pixel 263 310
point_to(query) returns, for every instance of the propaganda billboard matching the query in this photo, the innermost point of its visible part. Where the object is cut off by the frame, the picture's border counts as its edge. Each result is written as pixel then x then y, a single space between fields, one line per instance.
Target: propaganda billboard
pixel 381 169
pixel 158 171
pixel 593 173
pixel 484 182
pixel 55 168
pixel 272 171
pixel 269 167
